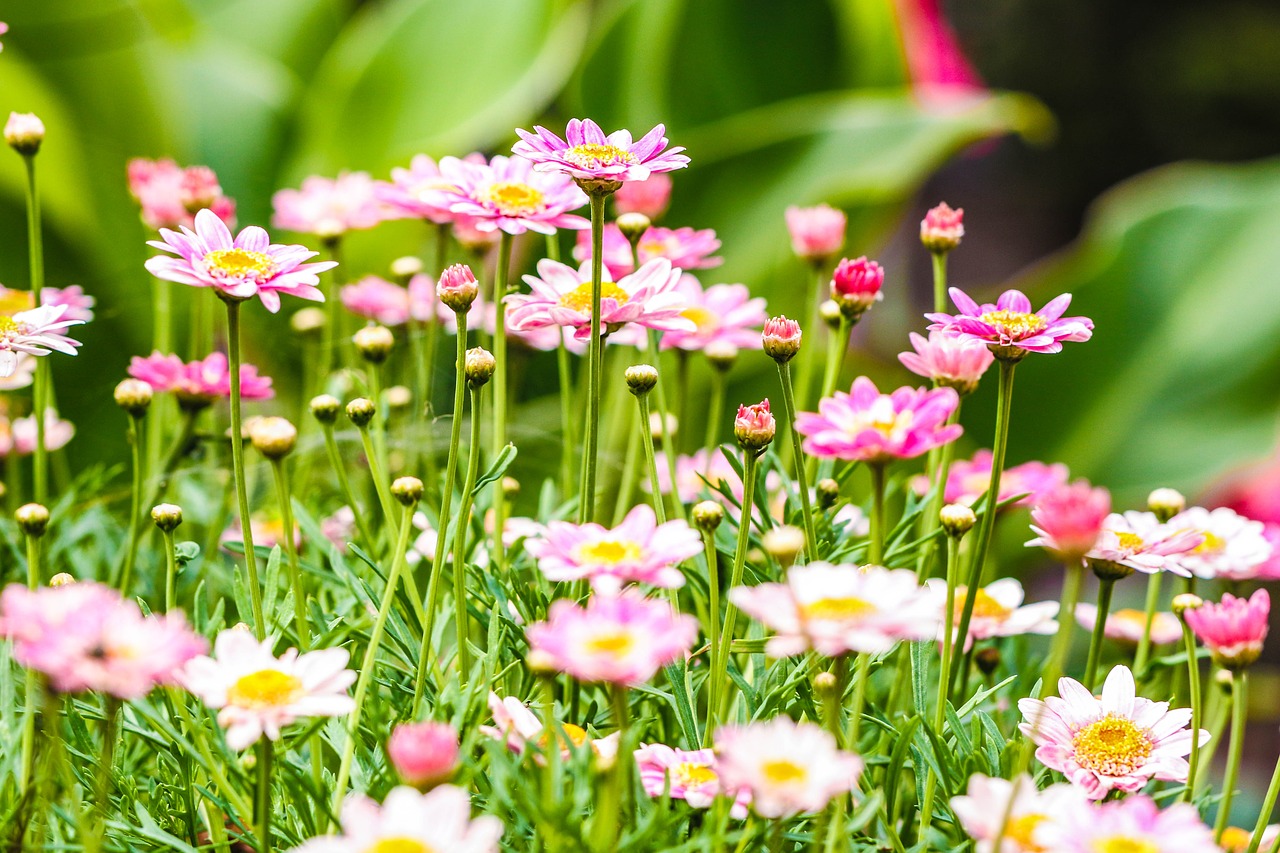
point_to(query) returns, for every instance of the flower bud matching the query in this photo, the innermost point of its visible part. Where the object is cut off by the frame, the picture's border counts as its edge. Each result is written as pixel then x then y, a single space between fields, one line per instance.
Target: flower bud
pixel 325 408
pixel 374 343
pixel 942 228
pixel 33 519
pixel 308 322
pixel 403 269
pixel 61 579
pixel 1186 601
pixel 510 487
pixel 1225 679
pixel 423 754
pixel 458 288
pixel 781 338
pixel 721 355
pixel 361 410
pixel 828 493
pixel 784 543
pixel 754 427
pixel 830 313
pixel 134 396
pixel 399 397
pixel 988 659
pixel 480 366
pixel 855 286
pixel 166 516
pixel 407 490
pixel 824 683
pixel 24 132
pixel 817 233
pixel 273 437
pixel 957 520
pixel 641 378
pixel 633 226
pixel 707 516
pixel 1166 503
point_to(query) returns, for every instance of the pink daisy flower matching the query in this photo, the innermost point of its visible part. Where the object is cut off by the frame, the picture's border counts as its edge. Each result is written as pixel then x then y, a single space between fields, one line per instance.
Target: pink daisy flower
pixel 817 233
pixel 837 609
pixel 969 479
pixel 868 426
pixel 38 331
pixel 562 297
pixel 723 314
pixel 250 265
pixel 377 299
pixel 328 207
pixel 1117 742
pixel 198 383
pixel 649 197
pixel 1138 541
pixel 514 723
pixel 621 639
pixel 410 822
pixel 686 248
pixel 1127 625
pixel 1234 547
pixel 1131 824
pixel 587 154
pixel 1233 629
pixel 786 767
pixel 256 693
pixel 415 192
pixel 998 610
pixel 1068 519
pixel 638 550
pixel 683 774
pixel 506 194
pixel 952 361
pixel 79 304
pixel 1010 328
pixel 696 475
pixel 982 810
pixel 19 437
pixel 170 195
pixel 423 754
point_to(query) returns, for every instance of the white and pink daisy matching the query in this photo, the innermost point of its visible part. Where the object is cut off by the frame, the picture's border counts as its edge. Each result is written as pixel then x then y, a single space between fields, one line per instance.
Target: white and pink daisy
pixel 1009 327
pixel 817 233
pixel 329 207
pixel 248 265
pixel 19 436
pixel 79 304
pixel 198 383
pixel 969 479
pixel 1068 519
pixel 837 609
pixel 639 550
pixel 415 192
pixel 1234 547
pixel 786 767
pixel 722 313
pixel 683 774
pixel 1127 625
pixel 170 195
pixel 1139 541
pixel 985 806
pixel 256 693
pixel 1118 741
pixel 507 194
pixel 952 361
pixel 518 726
pixel 586 154
pixel 410 822
pixel 1133 824
pixel 38 331
pixel 686 248
pixel 697 474
pixel 867 426
pixel 1233 629
pixel 423 754
pixel 377 299
pixel 998 610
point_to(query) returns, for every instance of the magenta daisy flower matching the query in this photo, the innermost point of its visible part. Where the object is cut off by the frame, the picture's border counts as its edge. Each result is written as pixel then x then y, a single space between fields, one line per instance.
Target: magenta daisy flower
pixel 586 154
pixel 1134 824
pixel 1010 328
pixel 1233 629
pixel 684 774
pixel 1116 742
pixel 415 192
pixel 506 194
pixel 686 248
pixel 248 265
pixel 868 426
pixel 170 195
pixel 35 332
pixel 1068 519
pixel 723 314
pixel 969 479
pixel 954 361
pixel 196 384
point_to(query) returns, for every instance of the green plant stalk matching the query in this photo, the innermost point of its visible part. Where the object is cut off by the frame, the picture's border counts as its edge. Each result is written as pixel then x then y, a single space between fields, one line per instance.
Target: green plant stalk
pixel 501 394
pixel 715 413
pixel 987 523
pixel 442 520
pixel 1268 805
pixel 102 781
pixel 176 451
pixel 170 571
pixel 838 347
pixel 875 547
pixel 1239 717
pixel 1197 709
pixel 344 483
pixel 809 354
pixel 461 619
pixel 369 664
pixel 302 626
pixel 720 665
pixel 630 474
pixel 831 824
pixel 42 390
pixel 587 502
pixel 713 619
pixel 135 501
pixel 379 476
pixel 802 481
pixel 262 799
pixel 379 424
pixel 859 699
pixel 948 648
pixel 1144 645
pixel 604 825
pixel 939 282
pixel 568 439
pixel 29 692
pixel 1061 648
pixel 237 467
pixel 1105 588
pixel 214 768
pixel 650 458
pixel 551 756
pixel 664 429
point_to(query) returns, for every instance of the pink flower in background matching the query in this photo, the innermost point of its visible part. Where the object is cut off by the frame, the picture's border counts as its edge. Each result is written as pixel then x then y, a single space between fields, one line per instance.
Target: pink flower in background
pixel 723 313
pixel 969 479
pixel 377 299
pixel 695 475
pixel 649 197
pixel 198 383
pixel 410 822
pixel 1069 519
pixel 1117 742
pixel 38 331
pixel 339 527
pixel 621 639
pixel 1234 547
pixel 983 808
pixel 514 723
pixel 79 304
pixel 19 436
pixel 639 550
pixel 683 774
pixel 250 265
pixel 467 232
pixel 786 767
pixel 415 192
pixel 256 693
pixel 1131 824
pixel 268 531
pixel 837 609
pixel 423 754
pixel 4 28
pixel 868 426
pixel 1127 625
pixel 817 233
pixel 953 361
pixel 587 154
pixel 506 194
pixel 171 196
pixel 328 207
pixel 562 296
pixel 935 62
pixel 1010 327
pixel 1233 629
pixel 686 248
pixel 942 228
pixel 998 610
pixel 1138 540
pixel 24 374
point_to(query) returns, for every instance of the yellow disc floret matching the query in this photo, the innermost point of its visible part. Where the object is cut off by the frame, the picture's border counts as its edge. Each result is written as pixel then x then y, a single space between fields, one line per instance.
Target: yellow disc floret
pixel 1014 325
pixel 579 299
pixel 1125 844
pixel 512 198
pixel 398 845
pixel 836 608
pixel 266 688
pixel 593 155
pixel 780 771
pixel 610 552
pixel 1112 746
pixel 240 264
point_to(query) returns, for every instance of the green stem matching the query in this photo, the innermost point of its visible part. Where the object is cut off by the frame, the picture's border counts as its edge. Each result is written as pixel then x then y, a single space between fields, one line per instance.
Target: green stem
pixel 302 627
pixel 35 249
pixel 715 413
pixel 939 282
pixel 1268 804
pixel 102 784
pixel 262 802
pixel 344 483
pixel 170 571
pixel 802 480
pixel 333 247
pixel 809 353
pixel 604 826
pixel 931 522
pixel 630 474
pixel 29 693
pixel 1144 645
pixel 1061 648
pixel 1197 709
pixel 1239 717
pixel 720 666
pixel 237 468
pixel 859 699
pixel 461 620
pixel 839 347
pixel 876 545
pixel 650 458
pixel 379 424
pixel 713 620
pixel 379 476
pixel 587 503
pixel 40 459
pixel 135 501
pixel 1105 588
pixel 948 644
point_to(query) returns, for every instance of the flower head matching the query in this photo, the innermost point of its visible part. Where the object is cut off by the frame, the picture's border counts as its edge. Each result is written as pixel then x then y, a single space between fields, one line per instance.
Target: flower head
pixel 507 194
pixel 942 228
pixel 196 384
pixel 410 822
pixel 416 192
pixel 686 248
pixel 1234 547
pixel 998 610
pixel 588 156
pixel 697 474
pixel 19 436
pixel 1117 742
pixel 79 304
pixel 382 301
pixel 969 479
pixel 518 726
pixel 817 233
pixel 248 265
pixel 682 774
pixel 38 331
pixel 724 314
pixel 953 361
pixel 754 427
pixel 787 767
pixel 328 207
pixel 1137 540
pixel 620 639
pixel 781 338
pixel 1069 518
pixel 170 195
pixel 423 754
pixel 1233 629
pixel 983 808
pixel 855 286
pixel 868 426
pixel 24 132
pixel 1132 825
pixel 1127 625
pixel 1010 328
pixel 649 197
pixel 256 693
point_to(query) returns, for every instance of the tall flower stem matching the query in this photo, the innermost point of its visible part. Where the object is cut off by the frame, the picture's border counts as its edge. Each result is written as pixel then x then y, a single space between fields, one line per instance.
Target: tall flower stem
pixel 1268 805
pixel 1004 401
pixel 1239 717
pixel 461 620
pixel 369 663
pixel 333 247
pixel 379 476
pixel 630 474
pixel 1058 653
pixel 587 501
pixel 948 648
pixel 713 619
pixel 809 354
pixel 939 282
pixel 237 467
pixel 863 675
pixel 1144 645
pixel 31 686
pixel 941 471
pixel 838 347
pixel 344 483
pixel 875 553
pixel 170 570
pixel 442 518
pixel 498 435
pixel 650 458
pixel 664 430
pixel 262 798
pixel 720 666
pixel 379 431
pixel 42 388
pixel 135 499
pixel 1105 588
pixel 715 413
pixel 567 432
pixel 302 627
pixel 1197 708
pixel 605 822
pixel 802 480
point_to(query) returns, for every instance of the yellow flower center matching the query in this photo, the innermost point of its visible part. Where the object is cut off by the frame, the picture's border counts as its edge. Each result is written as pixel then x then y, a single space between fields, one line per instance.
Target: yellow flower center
pixel 579 299
pixel 1129 616
pixel 576 735
pixel 1212 543
pixel 701 317
pixel 780 771
pixel 593 155
pixel 836 608
pixel 1235 839
pixel 1125 844
pixel 1022 829
pixel 398 845
pixel 512 198
pixel 240 263
pixel 266 688
pixel 13 301
pixel 617 643
pixel 8 324
pixel 610 552
pixel 691 775
pixel 653 248
pixel 984 606
pixel 1112 746
pixel 1014 324
pixel 1129 541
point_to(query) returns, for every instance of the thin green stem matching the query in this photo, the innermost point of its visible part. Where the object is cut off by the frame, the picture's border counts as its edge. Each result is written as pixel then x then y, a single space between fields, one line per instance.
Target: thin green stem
pixel 378 474
pixel 262 800
pixel 1105 588
pixel 1061 649
pixel 344 483
pixel 630 474
pixel 948 648
pixel 876 545
pixel 170 571
pixel 1268 805
pixel 301 626
pixel 650 458
pixel 839 347
pixel 462 620
pixel 939 282
pixel 713 620
pixel 720 666
pixel 802 480
pixel 135 500
pixel 237 468
pixel 664 430
pixel 333 248
pixel 29 692
pixel 567 438
pixel 1144 645
pixel 1197 709
pixel 35 250
pixel 40 403
pixel 715 413
pixel 587 505
pixel 379 425
pixel 809 353
pixel 941 471
pixel 859 699
pixel 1239 717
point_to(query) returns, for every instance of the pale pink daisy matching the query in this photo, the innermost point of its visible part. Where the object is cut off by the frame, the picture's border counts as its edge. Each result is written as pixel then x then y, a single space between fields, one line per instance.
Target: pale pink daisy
pixel 722 313
pixel 562 297
pixel 620 639
pixel 1132 825
pixel 586 154
pixel 170 195
pixel 1139 541
pixel 328 207
pixel 256 693
pixel 868 426
pixel 649 197
pixel 79 304
pixel 639 550
pixel 817 233
pixel 377 299
pixel 1009 327
pixel 20 435
pixel 506 194
pixel 986 803
pixel 415 192
pixel 686 248
pixel 788 768
pixel 684 774
pixel 969 479
pixel 1233 629
pixel 518 726
pixel 697 475
pixel 38 331
pixel 1127 625
pixel 248 265
pixel 998 610
pixel 1069 518
pixel 837 609
pixel 953 361
pixel 1116 742
pixel 24 374
pixel 198 383
pixel 1234 547
pixel 410 822
pixel 423 754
